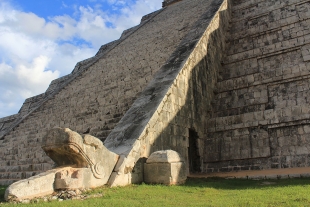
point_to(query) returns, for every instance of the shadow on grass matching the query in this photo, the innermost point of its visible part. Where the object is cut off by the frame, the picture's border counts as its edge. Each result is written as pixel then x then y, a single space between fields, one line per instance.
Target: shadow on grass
pixel 2 190
pixel 239 184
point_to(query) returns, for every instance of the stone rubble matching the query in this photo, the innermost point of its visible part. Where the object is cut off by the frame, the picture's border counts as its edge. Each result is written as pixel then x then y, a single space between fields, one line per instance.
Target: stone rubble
pixel 62 195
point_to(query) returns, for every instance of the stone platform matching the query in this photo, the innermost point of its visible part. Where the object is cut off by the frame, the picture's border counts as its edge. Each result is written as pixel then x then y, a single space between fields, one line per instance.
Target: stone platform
pixel 259 174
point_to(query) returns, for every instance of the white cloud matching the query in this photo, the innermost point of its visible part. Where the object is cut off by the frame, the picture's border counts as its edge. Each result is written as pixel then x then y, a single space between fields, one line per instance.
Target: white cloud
pixel 23 82
pixel 27 80
pixel 64 5
pixel 35 50
pixel 34 77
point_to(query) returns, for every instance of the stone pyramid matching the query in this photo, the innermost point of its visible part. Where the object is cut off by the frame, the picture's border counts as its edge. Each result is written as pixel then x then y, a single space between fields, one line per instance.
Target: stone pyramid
pixel 224 83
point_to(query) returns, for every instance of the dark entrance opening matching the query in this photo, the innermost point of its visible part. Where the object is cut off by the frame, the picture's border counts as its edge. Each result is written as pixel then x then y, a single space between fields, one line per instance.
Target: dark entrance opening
pixel 193 152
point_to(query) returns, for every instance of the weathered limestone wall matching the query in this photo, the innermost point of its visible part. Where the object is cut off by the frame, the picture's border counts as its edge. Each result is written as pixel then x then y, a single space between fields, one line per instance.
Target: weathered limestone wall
pixel 6 122
pixel 176 100
pixel 188 100
pixel 94 100
pixel 260 116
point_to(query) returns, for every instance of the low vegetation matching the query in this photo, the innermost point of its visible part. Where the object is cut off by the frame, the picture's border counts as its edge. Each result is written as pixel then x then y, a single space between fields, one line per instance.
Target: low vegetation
pixel 2 190
pixel 197 192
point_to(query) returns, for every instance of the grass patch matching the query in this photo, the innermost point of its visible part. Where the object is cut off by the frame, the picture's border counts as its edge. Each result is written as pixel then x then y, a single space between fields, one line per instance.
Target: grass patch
pixel 200 192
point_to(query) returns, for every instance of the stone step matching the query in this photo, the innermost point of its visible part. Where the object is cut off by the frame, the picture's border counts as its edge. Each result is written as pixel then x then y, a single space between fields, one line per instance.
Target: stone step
pixel 7 182
pixel 18 175
pixel 262 24
pixel 259 174
pixel 268 51
pixel 259 8
pixel 241 4
pixel 269 40
pixel 268 74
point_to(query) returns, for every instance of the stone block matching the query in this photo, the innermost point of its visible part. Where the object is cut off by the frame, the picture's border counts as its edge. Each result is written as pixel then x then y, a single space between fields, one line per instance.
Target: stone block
pixel 165 167
pixel 301 150
pixel 256 177
pixel 305 175
pixel 283 176
pixel 294 175
pixel 271 177
pixel 36 186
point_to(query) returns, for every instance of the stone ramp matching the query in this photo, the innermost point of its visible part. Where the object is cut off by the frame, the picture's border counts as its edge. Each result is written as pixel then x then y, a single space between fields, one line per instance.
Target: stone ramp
pixel 283 173
pixel 171 105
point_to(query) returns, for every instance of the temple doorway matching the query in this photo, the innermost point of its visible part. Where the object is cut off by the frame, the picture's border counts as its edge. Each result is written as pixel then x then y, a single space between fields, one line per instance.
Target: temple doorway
pixel 193 152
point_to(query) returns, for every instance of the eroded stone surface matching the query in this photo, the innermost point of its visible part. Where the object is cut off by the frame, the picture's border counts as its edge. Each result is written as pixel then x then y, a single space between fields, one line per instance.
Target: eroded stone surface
pixel 176 99
pixel 66 147
pixel 165 167
pixel 36 186
pixel 164 157
pixel 83 163
pixel 260 113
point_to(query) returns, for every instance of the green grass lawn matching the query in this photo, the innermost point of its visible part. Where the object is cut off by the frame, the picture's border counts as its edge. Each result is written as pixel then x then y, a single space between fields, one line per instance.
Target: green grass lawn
pixel 199 192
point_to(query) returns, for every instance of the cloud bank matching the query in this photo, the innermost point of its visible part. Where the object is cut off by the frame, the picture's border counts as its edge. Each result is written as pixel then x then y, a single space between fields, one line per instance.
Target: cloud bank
pixel 36 50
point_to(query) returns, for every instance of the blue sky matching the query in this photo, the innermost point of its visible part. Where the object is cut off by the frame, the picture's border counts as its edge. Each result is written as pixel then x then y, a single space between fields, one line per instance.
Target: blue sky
pixel 41 40
pixel 47 8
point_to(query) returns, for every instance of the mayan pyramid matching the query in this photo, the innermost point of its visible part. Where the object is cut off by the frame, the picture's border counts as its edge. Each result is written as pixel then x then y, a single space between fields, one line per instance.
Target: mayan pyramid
pixel 225 83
